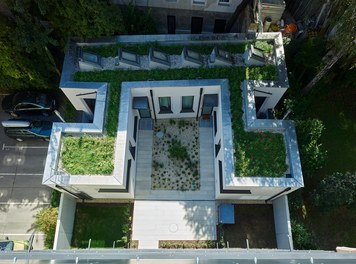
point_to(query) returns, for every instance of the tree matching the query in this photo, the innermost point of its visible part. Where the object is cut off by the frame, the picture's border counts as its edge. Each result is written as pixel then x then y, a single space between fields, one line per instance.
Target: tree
pixel 137 21
pixel 20 67
pixel 338 189
pixel 312 153
pixel 84 18
pixel 342 43
pixel 26 61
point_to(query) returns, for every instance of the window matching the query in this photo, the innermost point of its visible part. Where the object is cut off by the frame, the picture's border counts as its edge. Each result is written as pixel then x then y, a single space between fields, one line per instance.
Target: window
pixel 187 104
pixel 224 2
pixel 132 150
pixel 165 105
pixel 217 148
pixel 199 2
pixel 135 129
pixel 215 123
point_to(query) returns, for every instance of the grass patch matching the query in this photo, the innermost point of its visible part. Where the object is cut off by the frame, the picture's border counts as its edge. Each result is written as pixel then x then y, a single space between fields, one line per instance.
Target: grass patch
pixel 112 117
pixel 88 155
pixel 267 146
pixel 143 49
pixel 103 224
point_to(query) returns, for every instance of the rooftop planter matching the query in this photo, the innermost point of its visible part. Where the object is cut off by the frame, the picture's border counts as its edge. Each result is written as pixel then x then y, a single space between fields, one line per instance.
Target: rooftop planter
pixel 257 154
pixel 89 154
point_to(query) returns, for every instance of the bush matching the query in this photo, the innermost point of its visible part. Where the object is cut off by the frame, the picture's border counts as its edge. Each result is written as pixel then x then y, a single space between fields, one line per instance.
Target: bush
pixel 55 198
pixel 312 153
pixel 46 221
pixel 336 190
pixel 302 238
pixel 177 150
pixel 264 45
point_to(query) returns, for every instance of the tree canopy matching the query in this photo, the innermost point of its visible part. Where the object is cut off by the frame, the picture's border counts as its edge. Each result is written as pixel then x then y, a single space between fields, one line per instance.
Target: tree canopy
pixel 33 30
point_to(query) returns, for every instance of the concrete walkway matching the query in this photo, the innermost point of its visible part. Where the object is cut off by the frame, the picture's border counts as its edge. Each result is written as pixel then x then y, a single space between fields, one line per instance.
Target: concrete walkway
pixel 173 220
pixel 144 170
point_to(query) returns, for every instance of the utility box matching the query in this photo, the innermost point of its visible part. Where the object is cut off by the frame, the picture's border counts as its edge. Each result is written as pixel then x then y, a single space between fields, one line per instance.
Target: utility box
pixel 273 9
pixel 226 214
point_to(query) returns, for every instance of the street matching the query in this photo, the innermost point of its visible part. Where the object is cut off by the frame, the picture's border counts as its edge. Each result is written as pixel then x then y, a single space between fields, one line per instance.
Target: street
pixel 22 194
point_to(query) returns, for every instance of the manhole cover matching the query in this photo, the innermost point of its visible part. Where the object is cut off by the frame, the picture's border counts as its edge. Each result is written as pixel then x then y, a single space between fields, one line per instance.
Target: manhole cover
pixel 173 228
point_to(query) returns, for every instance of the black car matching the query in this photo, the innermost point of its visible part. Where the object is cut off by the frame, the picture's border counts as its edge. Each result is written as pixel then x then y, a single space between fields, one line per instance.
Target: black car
pixel 21 129
pixel 29 103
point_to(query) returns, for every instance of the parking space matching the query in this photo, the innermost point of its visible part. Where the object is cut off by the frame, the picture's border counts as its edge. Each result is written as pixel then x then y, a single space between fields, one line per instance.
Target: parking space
pixel 22 194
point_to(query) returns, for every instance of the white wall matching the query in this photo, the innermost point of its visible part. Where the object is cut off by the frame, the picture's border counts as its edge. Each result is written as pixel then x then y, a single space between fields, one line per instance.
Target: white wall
pixel 78 101
pixel 175 93
pixel 282 223
pixel 65 222
pixel 210 5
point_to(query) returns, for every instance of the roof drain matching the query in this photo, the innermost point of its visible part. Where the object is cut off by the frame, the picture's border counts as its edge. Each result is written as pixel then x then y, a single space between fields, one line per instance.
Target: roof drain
pixel 201 92
pixel 153 105
pixel 274 196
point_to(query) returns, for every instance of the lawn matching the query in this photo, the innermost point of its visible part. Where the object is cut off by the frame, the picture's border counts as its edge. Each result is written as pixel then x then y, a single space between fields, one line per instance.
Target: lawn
pixel 103 224
pixel 272 163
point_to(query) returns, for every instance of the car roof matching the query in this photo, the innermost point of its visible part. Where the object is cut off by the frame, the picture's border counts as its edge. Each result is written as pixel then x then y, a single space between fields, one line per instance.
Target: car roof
pixel 15 123
pixel 32 97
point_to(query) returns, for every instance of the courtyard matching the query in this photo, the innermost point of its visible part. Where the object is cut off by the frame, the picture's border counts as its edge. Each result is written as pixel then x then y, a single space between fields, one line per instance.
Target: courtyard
pixel 175 164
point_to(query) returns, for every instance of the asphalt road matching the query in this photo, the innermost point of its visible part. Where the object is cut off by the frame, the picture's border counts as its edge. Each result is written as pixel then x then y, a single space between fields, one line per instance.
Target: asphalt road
pixel 22 194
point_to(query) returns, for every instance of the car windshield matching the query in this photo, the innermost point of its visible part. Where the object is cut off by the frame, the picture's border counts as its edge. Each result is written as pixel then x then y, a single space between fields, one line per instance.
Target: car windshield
pixel 6 245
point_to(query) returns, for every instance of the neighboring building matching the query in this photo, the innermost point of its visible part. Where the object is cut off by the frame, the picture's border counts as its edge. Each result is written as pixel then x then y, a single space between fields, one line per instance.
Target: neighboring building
pixel 209 16
pixel 188 16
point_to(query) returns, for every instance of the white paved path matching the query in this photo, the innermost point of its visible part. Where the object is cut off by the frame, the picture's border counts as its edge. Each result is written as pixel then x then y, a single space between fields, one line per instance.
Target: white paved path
pixel 173 220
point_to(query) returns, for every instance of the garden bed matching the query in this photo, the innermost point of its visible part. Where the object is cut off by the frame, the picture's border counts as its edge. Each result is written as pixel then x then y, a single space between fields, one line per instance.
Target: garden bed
pixel 175 151
pixel 174 244
pixel 104 224
pixel 273 152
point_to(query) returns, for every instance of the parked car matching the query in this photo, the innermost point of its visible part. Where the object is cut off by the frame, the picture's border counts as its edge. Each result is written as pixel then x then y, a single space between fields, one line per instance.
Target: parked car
pixel 21 129
pixel 29 103
pixel 10 245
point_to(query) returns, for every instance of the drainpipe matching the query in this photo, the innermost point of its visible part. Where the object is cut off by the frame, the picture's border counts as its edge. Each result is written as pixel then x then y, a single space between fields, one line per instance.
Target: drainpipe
pixel 274 196
pixel 153 105
pixel 201 92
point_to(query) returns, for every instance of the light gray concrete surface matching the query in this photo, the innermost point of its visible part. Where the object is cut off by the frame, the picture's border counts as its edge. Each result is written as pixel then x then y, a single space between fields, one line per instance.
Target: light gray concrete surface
pixel 282 223
pixel 65 222
pixel 173 220
pixel 22 194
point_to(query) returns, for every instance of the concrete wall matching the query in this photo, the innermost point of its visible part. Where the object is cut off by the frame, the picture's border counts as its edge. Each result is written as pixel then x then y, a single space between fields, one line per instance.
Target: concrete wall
pixel 282 223
pixel 65 222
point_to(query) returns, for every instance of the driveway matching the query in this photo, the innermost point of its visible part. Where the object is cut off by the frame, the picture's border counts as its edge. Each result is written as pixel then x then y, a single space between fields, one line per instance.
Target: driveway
pixel 22 194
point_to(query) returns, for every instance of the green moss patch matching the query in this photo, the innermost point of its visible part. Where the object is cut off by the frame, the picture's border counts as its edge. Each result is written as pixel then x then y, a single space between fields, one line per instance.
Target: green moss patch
pixel 88 155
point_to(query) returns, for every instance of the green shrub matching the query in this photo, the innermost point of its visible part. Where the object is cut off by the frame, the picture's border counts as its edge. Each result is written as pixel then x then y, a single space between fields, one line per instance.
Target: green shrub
pixel 302 238
pixel 46 221
pixel 264 45
pixel 338 189
pixel 55 198
pixel 312 153
pixel 177 151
